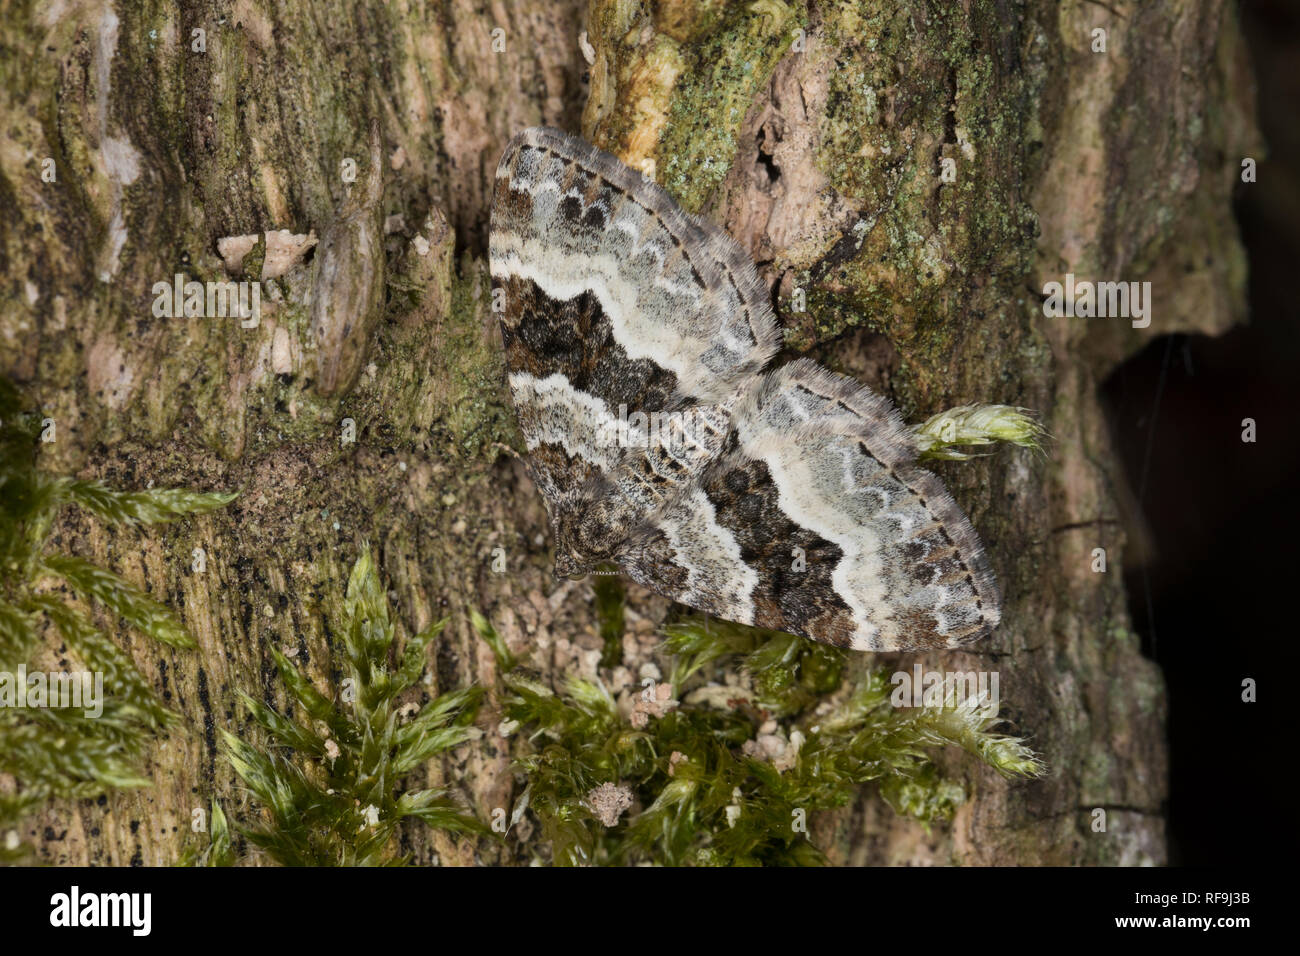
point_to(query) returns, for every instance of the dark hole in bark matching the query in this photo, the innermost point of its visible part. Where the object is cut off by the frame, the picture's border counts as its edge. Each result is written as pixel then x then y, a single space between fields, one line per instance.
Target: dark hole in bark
pixel 1212 523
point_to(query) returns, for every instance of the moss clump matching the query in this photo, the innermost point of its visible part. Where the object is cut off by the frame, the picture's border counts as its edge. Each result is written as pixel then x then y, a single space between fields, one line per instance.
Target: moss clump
pixel 58 751
pixel 730 775
pixel 336 801
pixel 962 433
pixel 220 848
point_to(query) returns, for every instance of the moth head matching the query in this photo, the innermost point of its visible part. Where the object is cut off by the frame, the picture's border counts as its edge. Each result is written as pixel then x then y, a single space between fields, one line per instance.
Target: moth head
pixel 568 565
pixel 586 534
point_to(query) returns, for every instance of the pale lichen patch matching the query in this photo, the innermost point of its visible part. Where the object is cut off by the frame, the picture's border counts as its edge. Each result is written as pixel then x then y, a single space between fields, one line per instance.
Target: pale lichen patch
pixel 284 250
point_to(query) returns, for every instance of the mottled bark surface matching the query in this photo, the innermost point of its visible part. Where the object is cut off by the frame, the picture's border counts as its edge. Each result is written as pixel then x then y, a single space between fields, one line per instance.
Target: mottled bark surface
pixel 815 134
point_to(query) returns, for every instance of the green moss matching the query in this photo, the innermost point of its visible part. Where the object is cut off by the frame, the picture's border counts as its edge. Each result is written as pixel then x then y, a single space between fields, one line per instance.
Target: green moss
pixel 219 850
pixel 965 432
pixel 703 780
pixel 330 782
pixel 61 751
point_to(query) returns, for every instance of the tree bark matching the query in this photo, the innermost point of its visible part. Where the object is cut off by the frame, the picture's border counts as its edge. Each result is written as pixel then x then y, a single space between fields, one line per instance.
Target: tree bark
pixel 815 134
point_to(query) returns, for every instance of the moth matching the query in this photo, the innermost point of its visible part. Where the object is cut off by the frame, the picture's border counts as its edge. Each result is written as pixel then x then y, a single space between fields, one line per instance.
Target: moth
pixel 636 341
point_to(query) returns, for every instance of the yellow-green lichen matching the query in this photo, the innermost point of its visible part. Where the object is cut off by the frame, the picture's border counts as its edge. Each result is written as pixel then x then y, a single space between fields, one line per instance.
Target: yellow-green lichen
pixel 727 68
pixel 936 244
